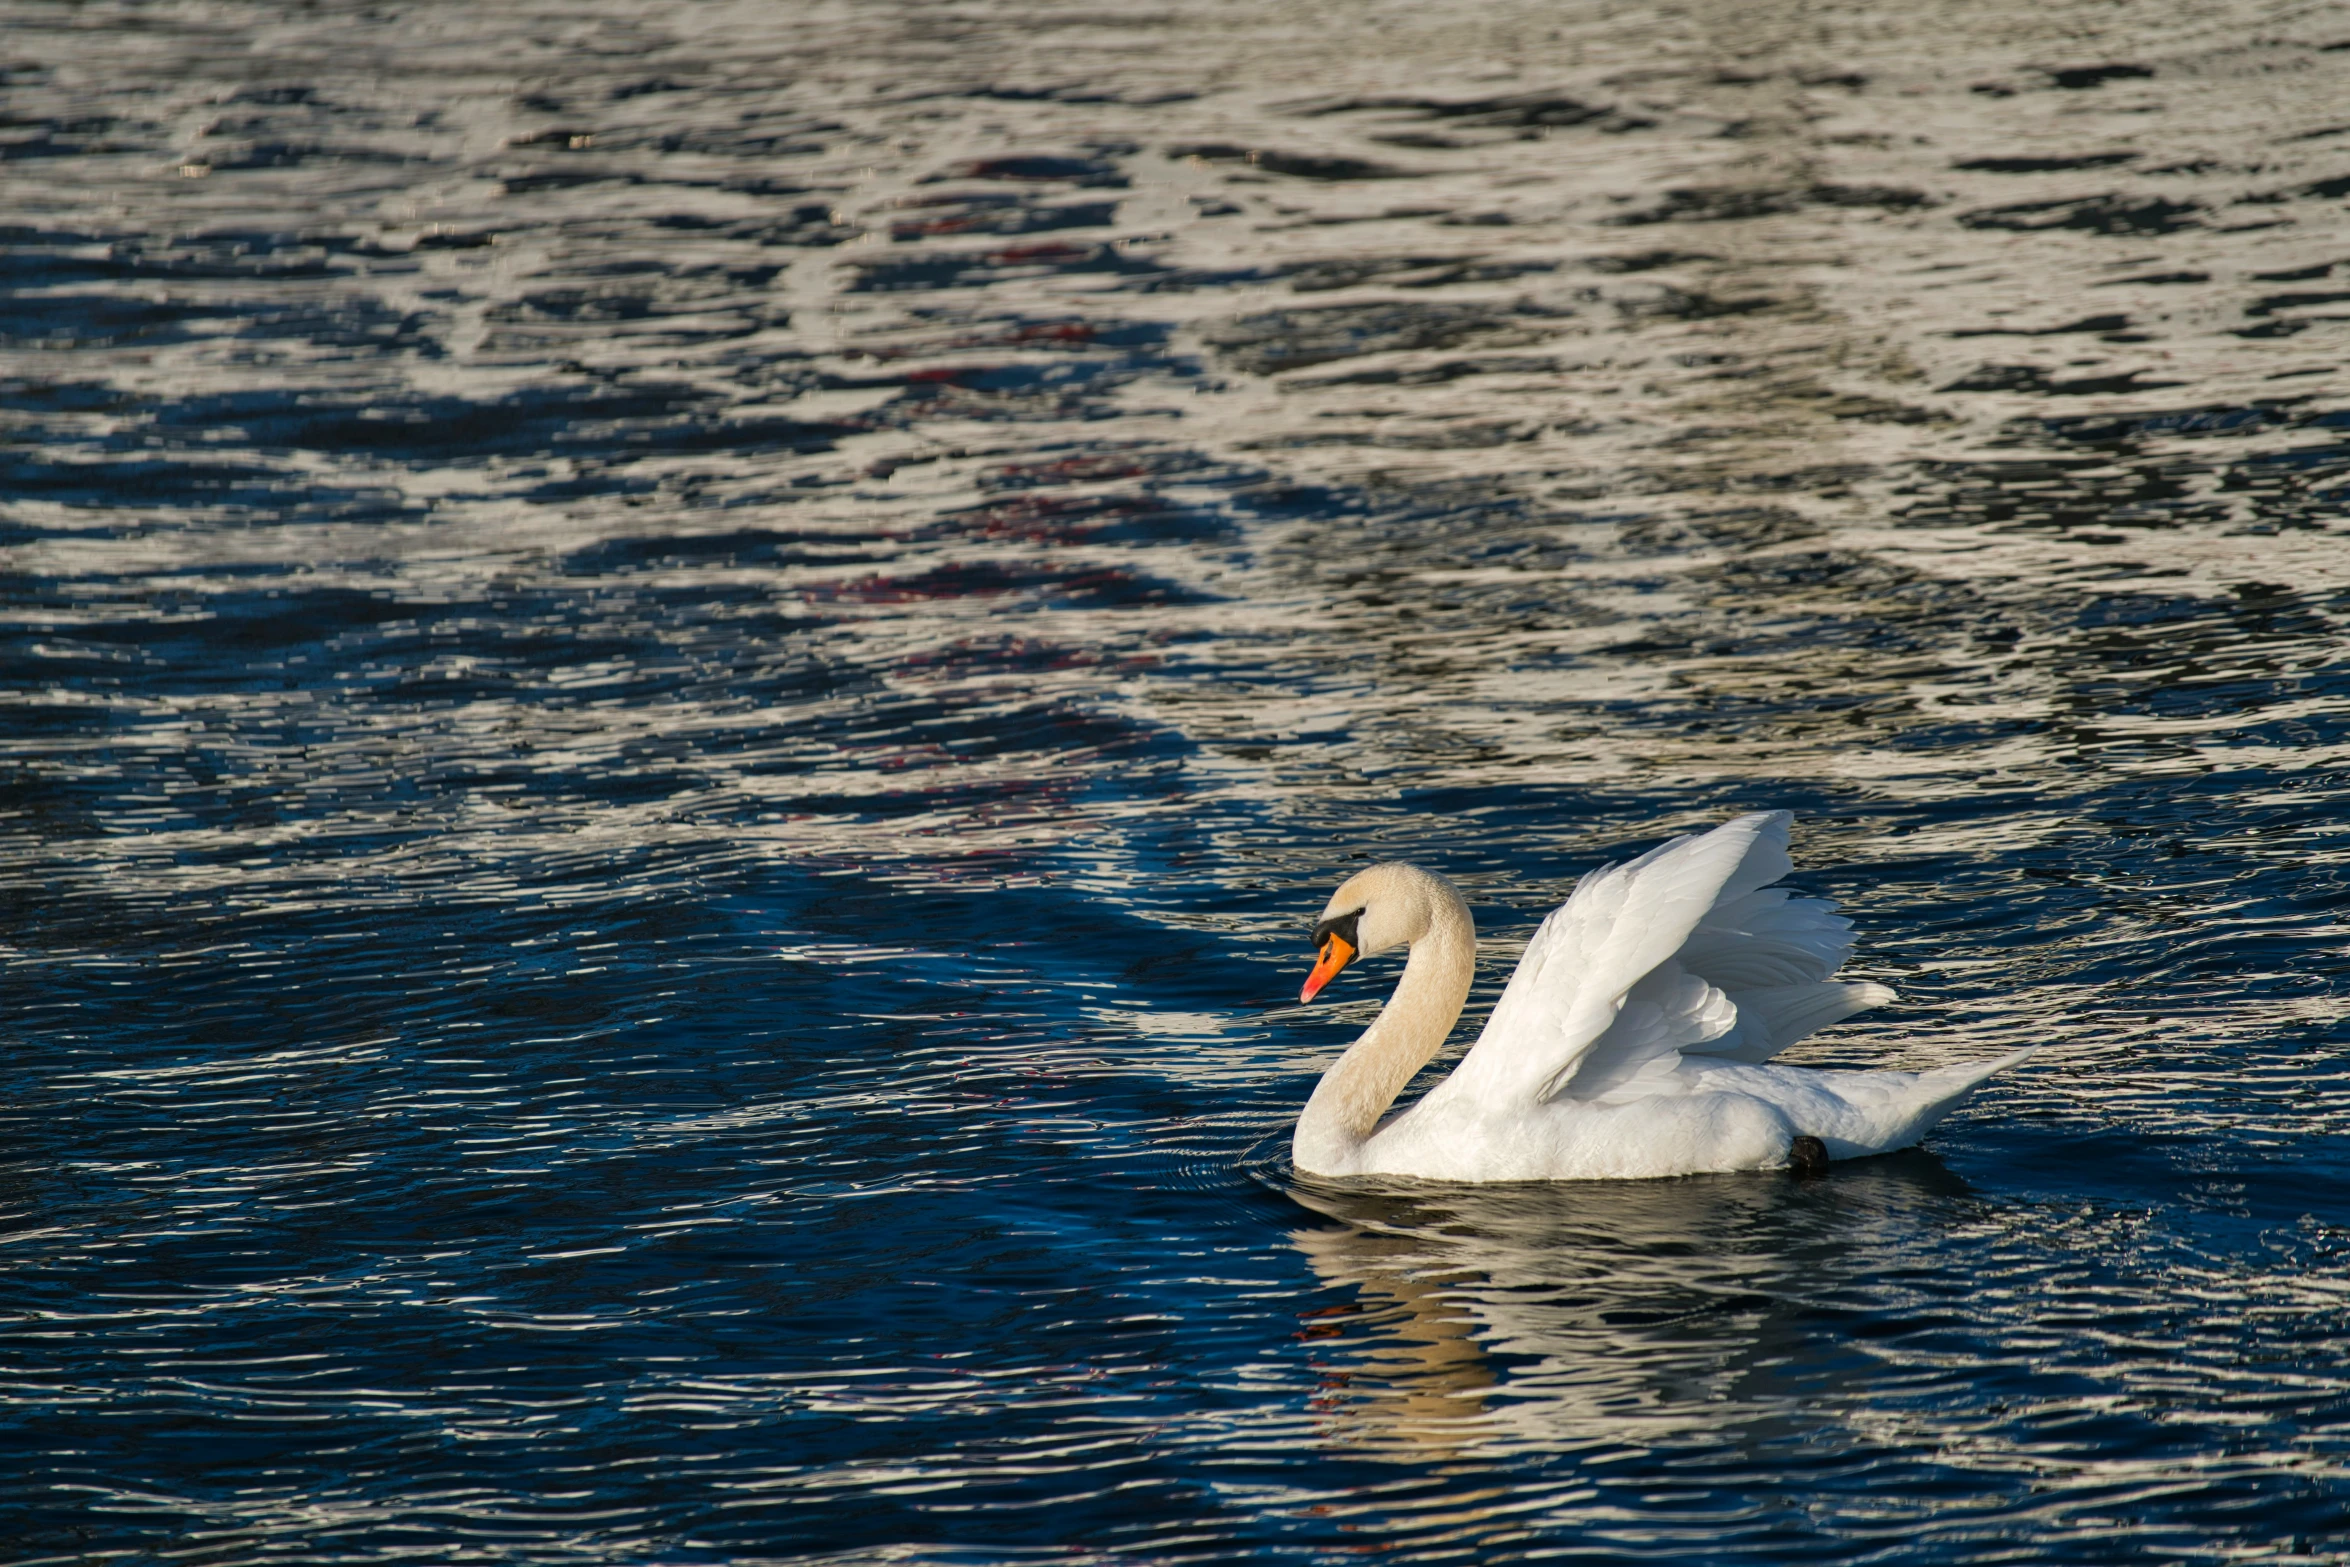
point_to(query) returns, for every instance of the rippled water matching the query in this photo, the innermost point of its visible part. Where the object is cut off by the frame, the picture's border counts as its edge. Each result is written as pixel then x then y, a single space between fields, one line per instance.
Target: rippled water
pixel 679 682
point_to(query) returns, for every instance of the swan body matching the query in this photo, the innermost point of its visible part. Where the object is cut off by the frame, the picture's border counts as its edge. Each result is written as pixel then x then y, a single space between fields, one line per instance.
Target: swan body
pixel 1635 1038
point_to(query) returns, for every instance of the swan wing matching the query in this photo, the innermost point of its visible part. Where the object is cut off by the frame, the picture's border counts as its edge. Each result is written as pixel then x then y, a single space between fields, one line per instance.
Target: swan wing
pixel 1599 995
pixel 1772 954
pixel 1772 1017
pixel 1768 937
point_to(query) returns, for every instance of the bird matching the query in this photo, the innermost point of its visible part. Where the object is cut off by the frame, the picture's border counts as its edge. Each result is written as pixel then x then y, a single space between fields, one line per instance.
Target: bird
pixel 1635 1039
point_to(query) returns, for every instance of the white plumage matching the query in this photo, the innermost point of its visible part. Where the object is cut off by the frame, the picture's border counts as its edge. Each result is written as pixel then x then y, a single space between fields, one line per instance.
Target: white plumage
pixel 1635 1038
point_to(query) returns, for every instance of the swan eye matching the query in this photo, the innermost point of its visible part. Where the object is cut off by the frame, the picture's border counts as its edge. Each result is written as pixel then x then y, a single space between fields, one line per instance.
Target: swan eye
pixel 1336 942
pixel 1343 927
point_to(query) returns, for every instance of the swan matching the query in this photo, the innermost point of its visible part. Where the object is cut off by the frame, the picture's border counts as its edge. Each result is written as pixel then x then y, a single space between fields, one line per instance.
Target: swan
pixel 1634 1041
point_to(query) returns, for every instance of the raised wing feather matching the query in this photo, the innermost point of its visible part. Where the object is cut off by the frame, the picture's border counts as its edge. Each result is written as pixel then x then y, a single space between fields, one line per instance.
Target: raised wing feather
pixel 1561 1026
pixel 1768 937
pixel 1772 1017
pixel 1670 1010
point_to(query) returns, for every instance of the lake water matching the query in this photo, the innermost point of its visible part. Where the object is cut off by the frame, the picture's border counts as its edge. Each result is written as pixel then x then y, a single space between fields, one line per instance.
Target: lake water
pixel 680 683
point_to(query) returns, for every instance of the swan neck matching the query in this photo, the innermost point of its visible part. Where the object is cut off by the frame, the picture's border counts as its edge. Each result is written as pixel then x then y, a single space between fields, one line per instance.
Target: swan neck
pixel 1346 1106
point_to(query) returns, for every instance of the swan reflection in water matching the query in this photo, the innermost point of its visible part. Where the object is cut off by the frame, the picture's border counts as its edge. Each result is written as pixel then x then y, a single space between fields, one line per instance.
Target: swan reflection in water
pixel 1600 1316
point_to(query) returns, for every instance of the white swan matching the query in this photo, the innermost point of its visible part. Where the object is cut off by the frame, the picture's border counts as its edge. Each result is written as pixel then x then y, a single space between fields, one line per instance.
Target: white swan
pixel 1632 1041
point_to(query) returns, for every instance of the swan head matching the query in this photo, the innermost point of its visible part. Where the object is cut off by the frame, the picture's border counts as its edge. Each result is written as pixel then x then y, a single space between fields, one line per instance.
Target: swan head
pixel 1386 906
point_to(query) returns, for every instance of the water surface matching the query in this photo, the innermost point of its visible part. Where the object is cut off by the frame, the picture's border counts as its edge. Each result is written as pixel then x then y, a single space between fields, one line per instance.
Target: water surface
pixel 679 685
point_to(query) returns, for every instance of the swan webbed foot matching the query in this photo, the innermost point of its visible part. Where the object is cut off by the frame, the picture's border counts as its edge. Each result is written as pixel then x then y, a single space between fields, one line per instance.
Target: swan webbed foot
pixel 1807 1156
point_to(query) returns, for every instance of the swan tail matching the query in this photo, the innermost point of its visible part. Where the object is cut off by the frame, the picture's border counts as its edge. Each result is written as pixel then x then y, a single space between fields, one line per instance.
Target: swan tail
pixel 1931 1096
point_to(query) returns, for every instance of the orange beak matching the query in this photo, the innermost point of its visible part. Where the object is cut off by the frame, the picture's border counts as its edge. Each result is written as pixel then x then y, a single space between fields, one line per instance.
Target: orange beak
pixel 1336 954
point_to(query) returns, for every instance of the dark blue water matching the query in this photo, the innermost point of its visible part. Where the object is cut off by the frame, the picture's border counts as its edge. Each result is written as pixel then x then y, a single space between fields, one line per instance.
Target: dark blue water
pixel 678 688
